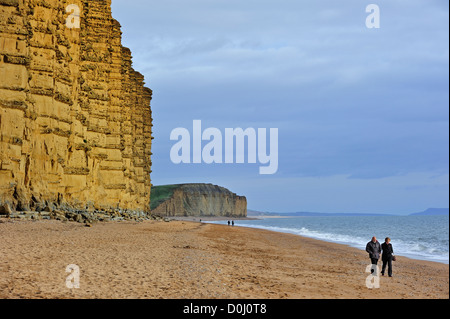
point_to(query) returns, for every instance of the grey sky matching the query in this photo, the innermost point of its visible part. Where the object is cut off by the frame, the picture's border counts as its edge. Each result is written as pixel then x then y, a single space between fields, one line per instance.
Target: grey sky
pixel 363 114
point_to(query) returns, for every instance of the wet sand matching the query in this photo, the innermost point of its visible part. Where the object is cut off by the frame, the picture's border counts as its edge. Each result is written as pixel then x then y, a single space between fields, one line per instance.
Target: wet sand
pixel 209 219
pixel 188 260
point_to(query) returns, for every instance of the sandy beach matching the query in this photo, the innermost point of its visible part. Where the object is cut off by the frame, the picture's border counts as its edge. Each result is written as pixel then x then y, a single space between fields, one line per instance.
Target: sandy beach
pixel 189 260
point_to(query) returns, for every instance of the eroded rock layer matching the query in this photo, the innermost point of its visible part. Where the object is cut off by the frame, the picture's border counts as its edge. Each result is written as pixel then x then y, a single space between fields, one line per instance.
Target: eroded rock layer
pixel 75 118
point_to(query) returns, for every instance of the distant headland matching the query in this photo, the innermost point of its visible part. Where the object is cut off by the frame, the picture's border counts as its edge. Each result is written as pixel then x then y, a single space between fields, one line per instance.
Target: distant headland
pixel 199 200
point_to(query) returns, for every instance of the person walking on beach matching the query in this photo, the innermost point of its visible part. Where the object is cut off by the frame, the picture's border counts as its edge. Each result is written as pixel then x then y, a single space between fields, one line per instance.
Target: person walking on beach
pixel 387 256
pixel 373 247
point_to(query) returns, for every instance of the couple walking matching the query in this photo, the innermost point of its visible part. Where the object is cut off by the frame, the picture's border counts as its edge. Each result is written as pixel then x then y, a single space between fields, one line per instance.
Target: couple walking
pixel 374 249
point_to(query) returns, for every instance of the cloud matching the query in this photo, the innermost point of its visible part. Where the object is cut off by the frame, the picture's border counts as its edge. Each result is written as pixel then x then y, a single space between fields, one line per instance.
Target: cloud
pixel 367 104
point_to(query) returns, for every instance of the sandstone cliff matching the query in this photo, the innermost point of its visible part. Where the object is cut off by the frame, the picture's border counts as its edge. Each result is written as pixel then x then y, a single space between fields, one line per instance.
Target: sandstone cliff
pixel 197 200
pixel 75 118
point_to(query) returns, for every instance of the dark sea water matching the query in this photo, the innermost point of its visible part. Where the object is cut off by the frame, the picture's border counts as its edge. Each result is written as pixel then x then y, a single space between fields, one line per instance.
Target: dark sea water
pixel 418 237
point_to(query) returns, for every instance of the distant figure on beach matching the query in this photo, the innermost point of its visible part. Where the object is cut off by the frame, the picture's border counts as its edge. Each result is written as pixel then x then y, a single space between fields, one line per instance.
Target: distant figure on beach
pixel 373 247
pixel 387 256
pixel 228 223
pixel 232 223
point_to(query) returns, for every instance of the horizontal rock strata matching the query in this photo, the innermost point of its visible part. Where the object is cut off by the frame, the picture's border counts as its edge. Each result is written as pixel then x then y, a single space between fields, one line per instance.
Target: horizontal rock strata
pixel 75 117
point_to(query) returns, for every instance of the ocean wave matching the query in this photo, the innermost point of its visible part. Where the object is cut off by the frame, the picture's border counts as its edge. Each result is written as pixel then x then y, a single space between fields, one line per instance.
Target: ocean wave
pixel 325 236
pixel 427 251
pixel 437 251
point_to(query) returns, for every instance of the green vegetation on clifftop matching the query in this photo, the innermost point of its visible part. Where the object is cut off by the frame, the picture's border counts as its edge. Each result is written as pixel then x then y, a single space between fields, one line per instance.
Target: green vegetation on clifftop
pixel 159 194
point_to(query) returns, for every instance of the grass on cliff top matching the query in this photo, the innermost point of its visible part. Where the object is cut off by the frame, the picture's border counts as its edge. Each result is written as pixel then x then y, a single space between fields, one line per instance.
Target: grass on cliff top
pixel 159 194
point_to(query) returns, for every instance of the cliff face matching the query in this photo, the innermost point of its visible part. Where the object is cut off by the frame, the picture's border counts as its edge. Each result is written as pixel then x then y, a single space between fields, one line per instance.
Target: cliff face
pixel 75 118
pixel 198 200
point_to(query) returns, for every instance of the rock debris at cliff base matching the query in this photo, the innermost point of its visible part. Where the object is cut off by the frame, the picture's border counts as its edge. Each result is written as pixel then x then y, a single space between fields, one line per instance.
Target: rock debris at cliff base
pixel 75 117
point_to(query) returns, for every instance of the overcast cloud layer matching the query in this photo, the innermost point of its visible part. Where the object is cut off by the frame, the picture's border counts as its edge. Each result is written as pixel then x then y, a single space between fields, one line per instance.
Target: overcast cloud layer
pixel 363 114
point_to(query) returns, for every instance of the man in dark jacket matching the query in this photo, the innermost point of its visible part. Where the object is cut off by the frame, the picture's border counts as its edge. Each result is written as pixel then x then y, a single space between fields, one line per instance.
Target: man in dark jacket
pixel 387 256
pixel 373 247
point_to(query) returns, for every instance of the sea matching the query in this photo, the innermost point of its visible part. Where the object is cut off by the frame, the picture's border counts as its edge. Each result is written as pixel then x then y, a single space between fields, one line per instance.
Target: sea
pixel 417 237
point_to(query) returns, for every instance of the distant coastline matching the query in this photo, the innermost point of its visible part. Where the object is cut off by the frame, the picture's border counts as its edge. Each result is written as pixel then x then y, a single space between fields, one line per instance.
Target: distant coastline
pixel 428 212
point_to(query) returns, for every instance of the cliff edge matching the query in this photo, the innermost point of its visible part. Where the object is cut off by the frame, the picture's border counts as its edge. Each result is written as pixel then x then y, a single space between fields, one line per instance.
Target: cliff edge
pixel 75 117
pixel 197 200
